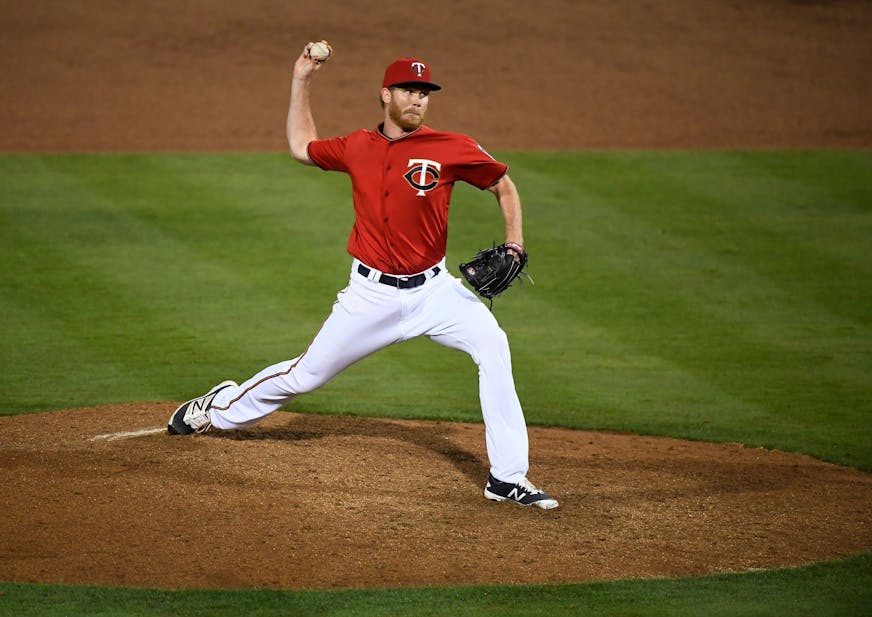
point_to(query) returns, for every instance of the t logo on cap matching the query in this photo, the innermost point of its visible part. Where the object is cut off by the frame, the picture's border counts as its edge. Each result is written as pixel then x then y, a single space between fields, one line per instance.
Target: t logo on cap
pixel 408 71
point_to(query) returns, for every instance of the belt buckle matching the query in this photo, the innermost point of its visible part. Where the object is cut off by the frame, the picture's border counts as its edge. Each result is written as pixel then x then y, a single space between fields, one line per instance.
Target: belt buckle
pixel 401 280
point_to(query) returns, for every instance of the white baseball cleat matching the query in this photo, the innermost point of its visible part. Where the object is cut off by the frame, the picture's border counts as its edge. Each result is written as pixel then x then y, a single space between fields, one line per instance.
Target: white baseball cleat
pixel 193 416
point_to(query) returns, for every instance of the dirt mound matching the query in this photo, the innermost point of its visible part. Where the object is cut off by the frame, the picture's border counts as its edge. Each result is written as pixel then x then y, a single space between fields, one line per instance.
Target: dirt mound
pixel 308 501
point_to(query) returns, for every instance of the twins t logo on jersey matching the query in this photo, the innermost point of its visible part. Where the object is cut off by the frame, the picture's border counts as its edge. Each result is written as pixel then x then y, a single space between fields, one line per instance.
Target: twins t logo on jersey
pixel 423 175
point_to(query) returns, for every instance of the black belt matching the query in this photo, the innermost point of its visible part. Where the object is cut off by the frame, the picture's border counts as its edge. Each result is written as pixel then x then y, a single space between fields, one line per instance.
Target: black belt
pixel 400 282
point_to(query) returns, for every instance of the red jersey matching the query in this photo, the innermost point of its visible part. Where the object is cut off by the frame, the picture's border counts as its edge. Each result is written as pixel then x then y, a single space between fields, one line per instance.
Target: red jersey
pixel 402 189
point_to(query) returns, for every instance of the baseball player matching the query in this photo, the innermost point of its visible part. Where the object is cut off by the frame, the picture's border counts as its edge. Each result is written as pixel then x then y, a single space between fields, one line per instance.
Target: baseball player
pixel 402 174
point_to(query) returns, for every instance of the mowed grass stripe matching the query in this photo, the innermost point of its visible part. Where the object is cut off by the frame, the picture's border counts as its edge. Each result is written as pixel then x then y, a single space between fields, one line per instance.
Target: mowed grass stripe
pixel 712 295
pixel 178 269
pixel 796 348
pixel 131 265
pixel 695 277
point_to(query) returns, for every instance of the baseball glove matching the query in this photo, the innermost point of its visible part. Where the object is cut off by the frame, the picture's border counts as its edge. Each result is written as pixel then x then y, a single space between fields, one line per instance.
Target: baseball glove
pixel 493 270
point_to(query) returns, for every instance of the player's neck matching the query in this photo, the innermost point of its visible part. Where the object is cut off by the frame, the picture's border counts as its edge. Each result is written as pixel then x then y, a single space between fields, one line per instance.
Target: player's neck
pixel 391 130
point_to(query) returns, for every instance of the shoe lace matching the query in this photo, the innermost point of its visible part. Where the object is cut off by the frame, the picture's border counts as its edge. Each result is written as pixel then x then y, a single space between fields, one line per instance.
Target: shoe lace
pixel 529 486
pixel 200 420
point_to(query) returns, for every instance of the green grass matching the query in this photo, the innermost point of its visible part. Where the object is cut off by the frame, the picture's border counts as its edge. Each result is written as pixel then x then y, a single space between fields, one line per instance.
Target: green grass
pixel 717 296
pixel 840 589
pixel 722 296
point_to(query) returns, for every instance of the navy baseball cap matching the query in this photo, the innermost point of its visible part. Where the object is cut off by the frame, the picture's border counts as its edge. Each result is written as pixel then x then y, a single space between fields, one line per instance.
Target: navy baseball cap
pixel 408 71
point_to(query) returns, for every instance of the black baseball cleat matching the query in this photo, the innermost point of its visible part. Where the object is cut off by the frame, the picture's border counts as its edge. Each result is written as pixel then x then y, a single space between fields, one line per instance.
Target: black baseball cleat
pixel 523 493
pixel 193 416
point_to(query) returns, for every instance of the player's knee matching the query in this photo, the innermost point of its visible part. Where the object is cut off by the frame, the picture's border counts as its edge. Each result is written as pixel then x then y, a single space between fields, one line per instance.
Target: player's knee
pixel 501 339
pixel 303 382
pixel 493 344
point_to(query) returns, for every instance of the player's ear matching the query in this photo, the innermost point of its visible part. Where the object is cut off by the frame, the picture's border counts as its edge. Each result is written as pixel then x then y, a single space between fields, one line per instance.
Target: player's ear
pixel 385 96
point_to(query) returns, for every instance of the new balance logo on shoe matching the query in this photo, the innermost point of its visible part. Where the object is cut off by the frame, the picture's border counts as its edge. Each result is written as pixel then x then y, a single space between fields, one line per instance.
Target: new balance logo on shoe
pixel 193 416
pixel 522 493
pixel 516 495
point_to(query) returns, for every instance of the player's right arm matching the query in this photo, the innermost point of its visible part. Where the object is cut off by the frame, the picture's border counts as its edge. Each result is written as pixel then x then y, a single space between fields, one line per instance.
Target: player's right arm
pixel 301 124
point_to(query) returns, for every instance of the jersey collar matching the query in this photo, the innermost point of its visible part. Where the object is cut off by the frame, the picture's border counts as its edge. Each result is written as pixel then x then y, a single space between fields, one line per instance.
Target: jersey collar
pixel 380 131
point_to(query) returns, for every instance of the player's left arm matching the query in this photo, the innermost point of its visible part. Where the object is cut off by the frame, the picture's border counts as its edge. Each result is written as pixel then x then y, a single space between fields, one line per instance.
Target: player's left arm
pixel 510 204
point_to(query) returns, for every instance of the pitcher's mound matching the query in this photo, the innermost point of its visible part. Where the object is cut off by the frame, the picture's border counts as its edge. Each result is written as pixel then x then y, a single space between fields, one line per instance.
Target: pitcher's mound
pixel 102 496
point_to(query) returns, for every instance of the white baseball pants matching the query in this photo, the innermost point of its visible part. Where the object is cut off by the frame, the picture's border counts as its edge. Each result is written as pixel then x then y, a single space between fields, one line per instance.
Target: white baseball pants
pixel 369 316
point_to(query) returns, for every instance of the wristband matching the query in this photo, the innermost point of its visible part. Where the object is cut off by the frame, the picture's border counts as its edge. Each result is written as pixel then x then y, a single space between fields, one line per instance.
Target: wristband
pixel 515 247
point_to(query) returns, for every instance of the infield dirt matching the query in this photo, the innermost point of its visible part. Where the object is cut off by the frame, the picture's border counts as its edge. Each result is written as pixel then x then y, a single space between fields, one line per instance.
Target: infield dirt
pixel 305 501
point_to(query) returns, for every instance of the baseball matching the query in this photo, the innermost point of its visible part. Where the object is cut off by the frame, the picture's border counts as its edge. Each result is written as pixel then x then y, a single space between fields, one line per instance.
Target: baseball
pixel 320 51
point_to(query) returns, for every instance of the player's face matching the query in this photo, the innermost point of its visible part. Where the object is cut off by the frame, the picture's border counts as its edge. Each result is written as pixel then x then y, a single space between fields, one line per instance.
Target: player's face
pixel 408 106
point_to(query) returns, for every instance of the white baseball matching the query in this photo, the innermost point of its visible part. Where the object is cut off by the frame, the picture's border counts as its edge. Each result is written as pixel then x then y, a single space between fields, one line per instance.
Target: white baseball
pixel 320 51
